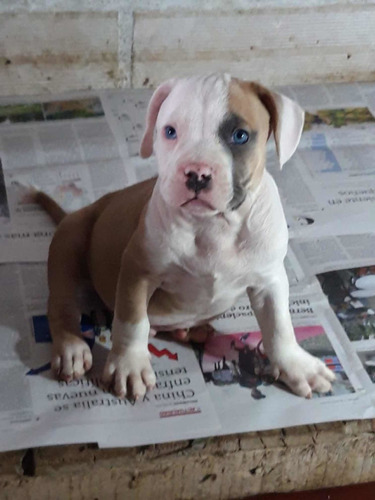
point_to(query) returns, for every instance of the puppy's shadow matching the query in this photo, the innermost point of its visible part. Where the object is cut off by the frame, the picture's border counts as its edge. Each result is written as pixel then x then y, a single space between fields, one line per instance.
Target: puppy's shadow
pixel 99 357
pixel 15 344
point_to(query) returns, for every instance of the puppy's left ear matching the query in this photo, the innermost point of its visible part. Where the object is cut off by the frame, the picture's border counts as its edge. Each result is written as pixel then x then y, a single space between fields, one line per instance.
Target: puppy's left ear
pixel 157 99
pixel 286 121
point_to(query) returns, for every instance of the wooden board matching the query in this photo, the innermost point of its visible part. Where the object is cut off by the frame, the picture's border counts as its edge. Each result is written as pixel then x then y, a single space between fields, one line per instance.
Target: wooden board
pixel 275 46
pixel 236 466
pixel 63 45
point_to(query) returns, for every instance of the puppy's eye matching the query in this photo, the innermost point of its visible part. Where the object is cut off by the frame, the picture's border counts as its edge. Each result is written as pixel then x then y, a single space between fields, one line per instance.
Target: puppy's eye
pixel 170 132
pixel 240 136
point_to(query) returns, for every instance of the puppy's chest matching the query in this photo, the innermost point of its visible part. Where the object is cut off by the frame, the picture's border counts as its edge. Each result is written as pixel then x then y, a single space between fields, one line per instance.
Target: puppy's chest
pixel 212 258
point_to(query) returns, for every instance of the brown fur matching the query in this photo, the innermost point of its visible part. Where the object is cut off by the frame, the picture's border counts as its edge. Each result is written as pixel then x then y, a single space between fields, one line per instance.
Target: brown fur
pixel 255 105
pixel 113 230
pixel 85 246
pixel 50 206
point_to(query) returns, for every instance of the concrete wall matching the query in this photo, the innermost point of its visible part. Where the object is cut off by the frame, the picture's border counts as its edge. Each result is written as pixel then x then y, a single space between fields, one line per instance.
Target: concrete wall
pixel 59 45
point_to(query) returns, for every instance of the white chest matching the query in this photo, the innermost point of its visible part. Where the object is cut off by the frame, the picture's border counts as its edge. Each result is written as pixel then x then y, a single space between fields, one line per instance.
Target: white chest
pixel 207 267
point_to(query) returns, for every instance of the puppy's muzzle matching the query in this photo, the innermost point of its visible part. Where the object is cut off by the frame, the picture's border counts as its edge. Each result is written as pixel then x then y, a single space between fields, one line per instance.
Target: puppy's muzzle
pixel 198 179
pixel 197 182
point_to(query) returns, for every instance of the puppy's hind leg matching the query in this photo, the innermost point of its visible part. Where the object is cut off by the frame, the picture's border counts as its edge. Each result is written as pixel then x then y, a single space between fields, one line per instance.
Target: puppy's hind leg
pixel 67 271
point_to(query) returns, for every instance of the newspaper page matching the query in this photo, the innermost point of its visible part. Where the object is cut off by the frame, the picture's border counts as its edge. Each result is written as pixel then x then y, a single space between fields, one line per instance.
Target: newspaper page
pixel 78 147
pixel 90 143
pixel 329 253
pixel 329 198
pixel 36 409
pixel 328 187
pixel 345 268
pixel 194 396
pixel 66 147
pixel 237 372
pixel 238 377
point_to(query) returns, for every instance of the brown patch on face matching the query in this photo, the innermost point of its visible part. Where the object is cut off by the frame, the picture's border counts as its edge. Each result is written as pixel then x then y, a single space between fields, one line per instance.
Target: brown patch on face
pixel 266 98
pixel 251 102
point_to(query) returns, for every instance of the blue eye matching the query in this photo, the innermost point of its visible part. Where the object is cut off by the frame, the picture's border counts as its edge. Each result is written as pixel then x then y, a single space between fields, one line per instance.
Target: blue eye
pixel 240 136
pixel 170 132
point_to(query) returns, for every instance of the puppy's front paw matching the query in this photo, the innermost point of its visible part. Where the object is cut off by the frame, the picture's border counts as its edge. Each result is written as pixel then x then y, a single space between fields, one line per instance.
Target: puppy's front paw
pixel 71 357
pixel 302 372
pixel 129 373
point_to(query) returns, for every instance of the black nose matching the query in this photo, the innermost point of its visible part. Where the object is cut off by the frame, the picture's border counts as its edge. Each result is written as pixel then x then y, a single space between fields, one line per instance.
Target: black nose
pixel 197 182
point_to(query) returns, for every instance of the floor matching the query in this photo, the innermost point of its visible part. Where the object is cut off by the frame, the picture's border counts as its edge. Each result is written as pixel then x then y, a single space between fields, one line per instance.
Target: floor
pixel 360 491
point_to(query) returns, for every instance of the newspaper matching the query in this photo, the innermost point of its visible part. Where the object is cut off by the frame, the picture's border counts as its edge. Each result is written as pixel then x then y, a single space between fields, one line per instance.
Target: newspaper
pixel 328 187
pixel 34 405
pixel 72 149
pixel 79 146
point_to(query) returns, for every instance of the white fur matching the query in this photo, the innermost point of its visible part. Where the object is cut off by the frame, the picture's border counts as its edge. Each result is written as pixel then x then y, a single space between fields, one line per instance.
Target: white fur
pixel 136 334
pixel 289 127
pixel 195 107
pixel 206 258
pixel 129 359
pixel 209 262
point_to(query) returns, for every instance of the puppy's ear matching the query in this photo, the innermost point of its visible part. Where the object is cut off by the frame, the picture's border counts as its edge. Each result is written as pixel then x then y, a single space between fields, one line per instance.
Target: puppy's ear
pixel 286 121
pixel 157 99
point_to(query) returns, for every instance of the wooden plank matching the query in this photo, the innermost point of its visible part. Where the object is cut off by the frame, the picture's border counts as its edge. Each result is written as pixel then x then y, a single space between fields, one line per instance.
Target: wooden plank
pixel 57 52
pixel 305 457
pixel 276 46
pixel 11 464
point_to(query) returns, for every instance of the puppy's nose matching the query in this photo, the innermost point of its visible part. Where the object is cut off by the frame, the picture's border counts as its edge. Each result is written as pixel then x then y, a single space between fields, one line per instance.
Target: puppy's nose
pixel 197 181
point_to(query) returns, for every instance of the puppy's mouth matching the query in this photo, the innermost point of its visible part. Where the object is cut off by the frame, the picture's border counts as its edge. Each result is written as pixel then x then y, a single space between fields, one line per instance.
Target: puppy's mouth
pixel 198 202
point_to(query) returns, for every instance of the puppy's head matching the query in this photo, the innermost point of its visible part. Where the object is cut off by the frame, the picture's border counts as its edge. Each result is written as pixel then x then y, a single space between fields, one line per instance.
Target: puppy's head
pixel 209 135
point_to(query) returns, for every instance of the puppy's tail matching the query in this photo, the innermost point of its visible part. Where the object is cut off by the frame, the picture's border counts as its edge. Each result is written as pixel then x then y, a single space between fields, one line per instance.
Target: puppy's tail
pixel 30 193
pixel 52 208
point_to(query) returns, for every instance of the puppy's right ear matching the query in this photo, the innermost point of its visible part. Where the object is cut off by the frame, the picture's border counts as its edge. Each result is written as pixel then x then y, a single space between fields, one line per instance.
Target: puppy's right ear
pixel 157 99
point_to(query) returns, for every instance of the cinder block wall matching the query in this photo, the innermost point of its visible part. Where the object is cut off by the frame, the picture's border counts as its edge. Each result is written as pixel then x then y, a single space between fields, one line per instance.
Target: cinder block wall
pixel 60 45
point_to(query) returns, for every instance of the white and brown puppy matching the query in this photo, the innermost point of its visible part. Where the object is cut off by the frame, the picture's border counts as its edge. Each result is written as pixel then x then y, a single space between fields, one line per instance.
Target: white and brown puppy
pixel 175 252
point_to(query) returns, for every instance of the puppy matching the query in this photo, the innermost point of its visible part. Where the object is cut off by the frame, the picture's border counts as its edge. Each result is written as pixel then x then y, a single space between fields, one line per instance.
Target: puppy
pixel 174 252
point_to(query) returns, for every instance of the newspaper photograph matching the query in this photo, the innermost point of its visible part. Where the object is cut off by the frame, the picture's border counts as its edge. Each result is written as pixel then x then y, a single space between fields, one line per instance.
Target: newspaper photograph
pixel 368 360
pixel 246 385
pixel 80 146
pixel 237 373
pixel 351 294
